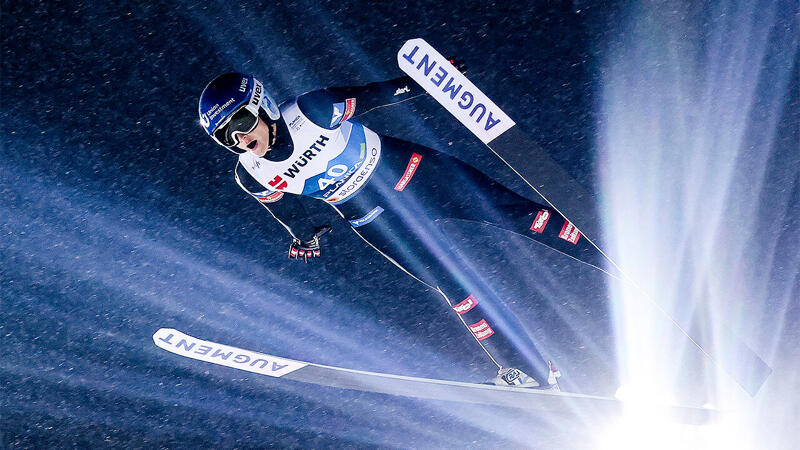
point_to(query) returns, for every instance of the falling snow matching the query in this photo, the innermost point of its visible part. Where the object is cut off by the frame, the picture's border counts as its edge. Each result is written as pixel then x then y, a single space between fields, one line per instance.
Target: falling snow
pixel 120 216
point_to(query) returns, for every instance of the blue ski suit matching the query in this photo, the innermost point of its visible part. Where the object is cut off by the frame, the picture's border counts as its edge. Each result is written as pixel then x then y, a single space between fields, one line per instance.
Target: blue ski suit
pixel 395 194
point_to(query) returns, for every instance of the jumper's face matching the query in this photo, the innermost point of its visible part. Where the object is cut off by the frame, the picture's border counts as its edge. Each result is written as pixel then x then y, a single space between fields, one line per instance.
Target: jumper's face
pixel 259 140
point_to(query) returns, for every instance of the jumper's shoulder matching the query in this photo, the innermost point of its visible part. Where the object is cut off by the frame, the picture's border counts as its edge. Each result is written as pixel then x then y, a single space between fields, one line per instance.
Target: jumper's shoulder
pixel 243 173
pixel 322 108
pixel 253 187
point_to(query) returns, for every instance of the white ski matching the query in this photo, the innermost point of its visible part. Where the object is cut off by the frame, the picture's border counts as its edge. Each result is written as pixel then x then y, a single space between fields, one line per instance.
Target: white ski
pixel 565 403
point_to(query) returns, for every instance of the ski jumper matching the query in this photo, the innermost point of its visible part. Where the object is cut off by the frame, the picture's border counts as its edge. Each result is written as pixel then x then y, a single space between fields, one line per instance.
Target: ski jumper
pixel 395 194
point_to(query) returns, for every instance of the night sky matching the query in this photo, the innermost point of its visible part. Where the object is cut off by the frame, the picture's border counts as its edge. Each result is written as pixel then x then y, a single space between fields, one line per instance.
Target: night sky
pixel 120 216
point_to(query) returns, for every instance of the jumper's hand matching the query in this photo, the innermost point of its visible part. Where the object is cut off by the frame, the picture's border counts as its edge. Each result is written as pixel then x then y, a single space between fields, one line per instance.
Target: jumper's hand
pixel 307 250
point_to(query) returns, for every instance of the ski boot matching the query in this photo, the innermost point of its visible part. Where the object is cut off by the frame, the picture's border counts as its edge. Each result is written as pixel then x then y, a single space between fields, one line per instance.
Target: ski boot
pixel 514 378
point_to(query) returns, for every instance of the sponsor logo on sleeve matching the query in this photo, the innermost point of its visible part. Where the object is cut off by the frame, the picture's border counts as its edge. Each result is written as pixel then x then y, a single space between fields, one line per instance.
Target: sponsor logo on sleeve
pixel 401 90
pixel 368 218
pixel 540 222
pixel 349 109
pixel 413 163
pixel 466 305
pixel 569 233
pixel 338 111
pixel 481 330
pixel 268 196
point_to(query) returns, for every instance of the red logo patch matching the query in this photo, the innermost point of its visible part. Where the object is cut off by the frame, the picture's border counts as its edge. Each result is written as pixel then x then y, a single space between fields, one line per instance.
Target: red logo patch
pixel 278 183
pixel 349 108
pixel 481 330
pixel 413 163
pixel 569 233
pixel 541 221
pixel 468 303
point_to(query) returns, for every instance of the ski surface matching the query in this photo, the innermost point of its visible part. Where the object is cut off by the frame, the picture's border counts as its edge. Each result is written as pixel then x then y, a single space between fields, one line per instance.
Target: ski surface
pixel 456 93
pixel 448 86
pixel 182 344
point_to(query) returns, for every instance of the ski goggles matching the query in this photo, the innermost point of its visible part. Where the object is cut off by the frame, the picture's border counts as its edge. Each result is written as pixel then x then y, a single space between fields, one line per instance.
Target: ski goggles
pixel 241 122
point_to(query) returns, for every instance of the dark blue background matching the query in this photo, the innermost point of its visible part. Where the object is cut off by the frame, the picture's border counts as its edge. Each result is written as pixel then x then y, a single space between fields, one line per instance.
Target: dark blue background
pixel 120 217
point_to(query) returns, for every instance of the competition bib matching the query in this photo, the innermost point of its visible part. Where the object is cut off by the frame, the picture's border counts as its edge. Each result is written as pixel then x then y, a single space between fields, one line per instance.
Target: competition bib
pixel 331 165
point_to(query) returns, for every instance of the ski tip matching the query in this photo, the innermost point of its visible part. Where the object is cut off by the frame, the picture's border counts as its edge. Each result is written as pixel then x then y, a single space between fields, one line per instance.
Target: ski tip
pixel 413 40
pixel 409 46
pixel 162 333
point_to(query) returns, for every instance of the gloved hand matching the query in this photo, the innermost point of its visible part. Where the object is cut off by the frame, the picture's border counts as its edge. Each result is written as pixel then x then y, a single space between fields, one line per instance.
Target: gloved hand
pixel 458 63
pixel 309 249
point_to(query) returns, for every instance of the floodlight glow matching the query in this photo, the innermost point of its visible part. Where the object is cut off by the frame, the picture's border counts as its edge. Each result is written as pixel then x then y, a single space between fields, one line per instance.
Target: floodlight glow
pixel 688 148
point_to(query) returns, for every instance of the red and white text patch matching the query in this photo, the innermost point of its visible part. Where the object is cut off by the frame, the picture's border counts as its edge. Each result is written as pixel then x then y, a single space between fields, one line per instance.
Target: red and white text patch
pixel 540 222
pixel 569 233
pixel 481 330
pixel 466 305
pixel 412 166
